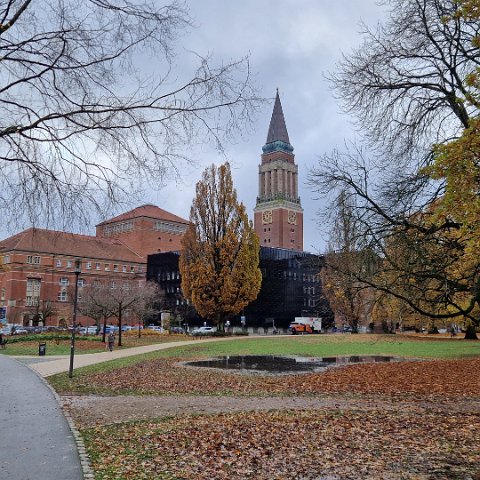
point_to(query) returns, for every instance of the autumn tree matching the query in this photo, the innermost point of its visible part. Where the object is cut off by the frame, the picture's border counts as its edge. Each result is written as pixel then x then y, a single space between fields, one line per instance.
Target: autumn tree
pixel 220 251
pixel 413 88
pixel 92 105
pixel 345 260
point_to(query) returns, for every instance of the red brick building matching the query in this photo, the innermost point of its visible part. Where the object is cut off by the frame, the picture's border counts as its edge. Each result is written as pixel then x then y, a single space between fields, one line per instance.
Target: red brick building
pixel 278 214
pixel 146 230
pixel 37 266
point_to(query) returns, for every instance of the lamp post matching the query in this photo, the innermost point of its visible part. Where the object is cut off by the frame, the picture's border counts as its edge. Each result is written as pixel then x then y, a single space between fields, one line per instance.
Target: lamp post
pixel 78 264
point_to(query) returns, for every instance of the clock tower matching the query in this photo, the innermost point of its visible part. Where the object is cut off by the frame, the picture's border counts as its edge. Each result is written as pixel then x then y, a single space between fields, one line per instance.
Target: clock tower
pixel 278 215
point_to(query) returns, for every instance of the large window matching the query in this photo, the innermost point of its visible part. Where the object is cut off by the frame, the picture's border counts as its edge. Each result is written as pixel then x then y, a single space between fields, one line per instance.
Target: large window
pixel 33 292
pixel 35 260
pixel 62 295
pixel 118 228
pixel 168 227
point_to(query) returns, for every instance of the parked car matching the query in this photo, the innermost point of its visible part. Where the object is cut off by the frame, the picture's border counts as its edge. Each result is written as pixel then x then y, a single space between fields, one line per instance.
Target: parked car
pixel 19 331
pixel 128 328
pixel 110 328
pixel 203 331
pixel 177 330
pixel 155 328
pixel 88 330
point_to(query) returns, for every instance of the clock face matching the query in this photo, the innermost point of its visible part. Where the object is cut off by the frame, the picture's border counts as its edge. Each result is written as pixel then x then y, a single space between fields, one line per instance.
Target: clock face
pixel 267 217
pixel 292 218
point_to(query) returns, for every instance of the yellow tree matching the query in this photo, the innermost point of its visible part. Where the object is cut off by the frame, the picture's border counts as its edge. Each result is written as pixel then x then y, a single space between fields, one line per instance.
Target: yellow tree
pixel 220 251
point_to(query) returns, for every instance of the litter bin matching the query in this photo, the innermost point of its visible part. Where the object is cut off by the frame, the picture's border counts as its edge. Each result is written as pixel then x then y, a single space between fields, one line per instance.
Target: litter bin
pixel 42 349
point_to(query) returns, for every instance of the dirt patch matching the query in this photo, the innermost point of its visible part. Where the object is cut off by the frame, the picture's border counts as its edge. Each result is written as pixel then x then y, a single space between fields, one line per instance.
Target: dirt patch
pixel 90 410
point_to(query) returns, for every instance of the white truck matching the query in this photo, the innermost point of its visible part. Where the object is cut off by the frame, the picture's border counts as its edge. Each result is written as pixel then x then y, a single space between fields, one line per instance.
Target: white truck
pixel 306 325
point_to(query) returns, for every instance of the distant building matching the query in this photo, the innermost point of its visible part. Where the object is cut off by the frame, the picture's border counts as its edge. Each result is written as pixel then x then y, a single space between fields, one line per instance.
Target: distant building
pixel 278 214
pixel 290 288
pixel 37 265
pixel 147 229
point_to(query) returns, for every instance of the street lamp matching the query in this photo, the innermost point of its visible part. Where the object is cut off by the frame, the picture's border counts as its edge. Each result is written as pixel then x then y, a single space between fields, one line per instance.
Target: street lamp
pixel 78 265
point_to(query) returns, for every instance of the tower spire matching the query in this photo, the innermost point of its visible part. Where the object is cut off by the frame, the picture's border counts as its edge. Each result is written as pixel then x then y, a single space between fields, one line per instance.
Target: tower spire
pixel 278 128
pixel 278 215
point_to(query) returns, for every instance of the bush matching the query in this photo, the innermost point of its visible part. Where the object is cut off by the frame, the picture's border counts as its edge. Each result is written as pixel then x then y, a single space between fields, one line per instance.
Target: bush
pixel 48 336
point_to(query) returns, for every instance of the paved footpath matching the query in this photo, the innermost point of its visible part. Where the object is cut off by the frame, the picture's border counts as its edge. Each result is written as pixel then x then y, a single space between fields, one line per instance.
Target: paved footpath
pixel 36 442
pixel 61 364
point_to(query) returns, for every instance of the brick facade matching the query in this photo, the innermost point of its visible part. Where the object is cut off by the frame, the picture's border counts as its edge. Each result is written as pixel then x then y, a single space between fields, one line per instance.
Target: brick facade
pixel 278 215
pixel 37 266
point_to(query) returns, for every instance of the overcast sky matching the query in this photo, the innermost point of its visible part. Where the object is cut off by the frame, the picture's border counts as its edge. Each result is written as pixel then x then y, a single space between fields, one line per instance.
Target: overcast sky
pixel 292 44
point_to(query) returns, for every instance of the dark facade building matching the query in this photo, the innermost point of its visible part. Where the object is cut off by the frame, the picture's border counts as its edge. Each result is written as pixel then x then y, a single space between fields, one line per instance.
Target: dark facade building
pixel 290 288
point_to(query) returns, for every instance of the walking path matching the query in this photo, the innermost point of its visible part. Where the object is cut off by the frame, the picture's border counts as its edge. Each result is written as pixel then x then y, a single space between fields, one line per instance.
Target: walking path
pixel 60 364
pixel 36 442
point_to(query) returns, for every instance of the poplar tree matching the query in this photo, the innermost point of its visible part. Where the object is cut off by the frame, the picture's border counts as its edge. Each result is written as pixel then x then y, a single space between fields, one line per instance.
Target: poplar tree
pixel 220 256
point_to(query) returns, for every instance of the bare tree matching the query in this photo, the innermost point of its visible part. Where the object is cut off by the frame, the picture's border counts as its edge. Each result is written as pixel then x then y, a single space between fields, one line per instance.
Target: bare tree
pixel 411 85
pixel 130 296
pixel 350 299
pixel 116 298
pixel 91 107
pixel 414 257
pixel 95 303
pixel 146 305
pixel 407 83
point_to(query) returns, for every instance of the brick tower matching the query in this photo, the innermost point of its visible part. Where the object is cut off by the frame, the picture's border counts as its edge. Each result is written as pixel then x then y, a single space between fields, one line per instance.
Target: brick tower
pixel 278 215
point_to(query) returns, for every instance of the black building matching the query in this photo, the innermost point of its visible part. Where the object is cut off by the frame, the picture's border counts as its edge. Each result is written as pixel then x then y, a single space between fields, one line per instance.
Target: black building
pixel 291 288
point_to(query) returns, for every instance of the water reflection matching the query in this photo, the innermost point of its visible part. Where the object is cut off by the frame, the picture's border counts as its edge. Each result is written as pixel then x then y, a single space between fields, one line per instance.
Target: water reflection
pixel 282 365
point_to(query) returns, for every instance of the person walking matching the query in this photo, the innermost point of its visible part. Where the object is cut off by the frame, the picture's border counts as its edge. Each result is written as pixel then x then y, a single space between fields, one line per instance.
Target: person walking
pixel 111 340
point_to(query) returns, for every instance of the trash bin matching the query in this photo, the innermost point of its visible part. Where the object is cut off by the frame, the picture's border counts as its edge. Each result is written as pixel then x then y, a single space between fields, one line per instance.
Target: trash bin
pixel 42 349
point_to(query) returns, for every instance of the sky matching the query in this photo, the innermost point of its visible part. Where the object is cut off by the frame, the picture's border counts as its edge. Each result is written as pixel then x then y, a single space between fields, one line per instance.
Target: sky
pixel 292 45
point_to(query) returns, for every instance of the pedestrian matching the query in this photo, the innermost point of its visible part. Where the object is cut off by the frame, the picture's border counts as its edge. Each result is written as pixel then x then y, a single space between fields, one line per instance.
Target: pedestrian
pixel 111 340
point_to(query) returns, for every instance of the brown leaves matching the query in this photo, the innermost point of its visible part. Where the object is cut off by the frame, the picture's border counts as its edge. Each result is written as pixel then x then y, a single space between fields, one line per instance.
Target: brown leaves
pixel 291 444
pixel 452 378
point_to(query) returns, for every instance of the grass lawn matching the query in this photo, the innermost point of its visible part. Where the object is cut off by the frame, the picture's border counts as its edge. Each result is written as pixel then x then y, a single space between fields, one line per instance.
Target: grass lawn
pixel 156 372
pixel 412 421
pixel 82 345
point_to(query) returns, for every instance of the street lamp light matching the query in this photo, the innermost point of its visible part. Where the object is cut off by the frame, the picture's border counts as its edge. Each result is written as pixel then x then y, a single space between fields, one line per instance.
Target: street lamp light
pixel 78 265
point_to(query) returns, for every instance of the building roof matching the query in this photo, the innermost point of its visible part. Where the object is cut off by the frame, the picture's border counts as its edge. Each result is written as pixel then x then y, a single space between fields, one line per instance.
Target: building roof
pixel 150 211
pixel 278 128
pixel 37 240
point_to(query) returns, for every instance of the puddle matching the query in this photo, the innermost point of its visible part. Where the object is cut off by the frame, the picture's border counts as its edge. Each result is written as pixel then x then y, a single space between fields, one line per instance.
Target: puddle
pixel 285 365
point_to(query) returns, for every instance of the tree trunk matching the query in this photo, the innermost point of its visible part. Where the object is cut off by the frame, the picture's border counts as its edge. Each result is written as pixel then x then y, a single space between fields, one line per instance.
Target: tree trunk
pixel 120 327
pixel 104 328
pixel 471 333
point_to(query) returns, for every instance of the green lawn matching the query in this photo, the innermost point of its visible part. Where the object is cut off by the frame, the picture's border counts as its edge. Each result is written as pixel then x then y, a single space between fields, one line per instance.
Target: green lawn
pixel 330 345
pixel 310 346
pixel 92 344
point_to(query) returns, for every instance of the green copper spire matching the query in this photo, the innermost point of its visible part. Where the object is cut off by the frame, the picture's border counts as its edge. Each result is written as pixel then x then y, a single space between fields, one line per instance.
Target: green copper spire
pixel 277 137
